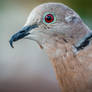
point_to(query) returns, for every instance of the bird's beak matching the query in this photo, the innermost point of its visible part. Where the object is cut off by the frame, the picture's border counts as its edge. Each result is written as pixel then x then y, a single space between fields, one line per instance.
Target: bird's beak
pixel 21 34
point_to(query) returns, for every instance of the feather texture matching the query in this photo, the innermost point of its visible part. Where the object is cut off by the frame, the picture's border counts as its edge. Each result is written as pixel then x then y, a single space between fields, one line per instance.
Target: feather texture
pixel 73 71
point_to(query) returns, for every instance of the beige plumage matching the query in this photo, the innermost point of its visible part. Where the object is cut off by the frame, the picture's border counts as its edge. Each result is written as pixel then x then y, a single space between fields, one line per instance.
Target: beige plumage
pixel 74 72
pixel 66 40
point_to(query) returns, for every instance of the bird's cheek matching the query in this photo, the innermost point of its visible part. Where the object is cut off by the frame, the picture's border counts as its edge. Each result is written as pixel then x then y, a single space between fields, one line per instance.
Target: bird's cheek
pixel 38 39
pixel 33 36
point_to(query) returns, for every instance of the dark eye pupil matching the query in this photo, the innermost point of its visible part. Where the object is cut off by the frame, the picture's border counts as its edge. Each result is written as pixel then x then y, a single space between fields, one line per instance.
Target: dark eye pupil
pixel 49 18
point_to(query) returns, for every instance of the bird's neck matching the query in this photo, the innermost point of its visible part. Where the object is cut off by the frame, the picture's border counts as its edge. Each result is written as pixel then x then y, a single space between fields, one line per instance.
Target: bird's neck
pixel 76 33
pixel 69 71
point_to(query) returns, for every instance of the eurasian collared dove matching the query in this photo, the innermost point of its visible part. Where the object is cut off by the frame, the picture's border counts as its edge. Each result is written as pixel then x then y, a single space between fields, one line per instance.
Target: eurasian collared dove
pixel 66 39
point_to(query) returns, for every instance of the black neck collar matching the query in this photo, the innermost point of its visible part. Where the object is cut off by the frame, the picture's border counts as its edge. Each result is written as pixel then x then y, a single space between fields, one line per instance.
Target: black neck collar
pixel 84 42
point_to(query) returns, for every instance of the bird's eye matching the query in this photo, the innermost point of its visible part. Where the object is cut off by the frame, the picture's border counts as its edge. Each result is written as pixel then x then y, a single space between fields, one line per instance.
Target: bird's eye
pixel 49 18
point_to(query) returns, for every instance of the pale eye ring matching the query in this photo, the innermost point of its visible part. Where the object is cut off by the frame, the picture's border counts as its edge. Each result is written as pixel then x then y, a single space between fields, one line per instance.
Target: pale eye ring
pixel 49 18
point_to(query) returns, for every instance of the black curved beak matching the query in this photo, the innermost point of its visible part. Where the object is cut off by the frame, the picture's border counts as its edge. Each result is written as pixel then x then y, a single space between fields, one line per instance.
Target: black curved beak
pixel 21 34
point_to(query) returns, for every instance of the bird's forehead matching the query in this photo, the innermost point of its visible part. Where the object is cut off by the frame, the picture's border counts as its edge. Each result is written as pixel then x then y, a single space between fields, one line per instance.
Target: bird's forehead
pixel 38 12
pixel 53 7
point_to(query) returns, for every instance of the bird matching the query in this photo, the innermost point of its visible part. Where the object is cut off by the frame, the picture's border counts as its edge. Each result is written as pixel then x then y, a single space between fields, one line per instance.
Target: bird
pixel 66 39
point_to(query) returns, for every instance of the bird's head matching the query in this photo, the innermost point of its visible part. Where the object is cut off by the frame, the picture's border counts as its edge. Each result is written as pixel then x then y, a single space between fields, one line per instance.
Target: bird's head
pixel 51 20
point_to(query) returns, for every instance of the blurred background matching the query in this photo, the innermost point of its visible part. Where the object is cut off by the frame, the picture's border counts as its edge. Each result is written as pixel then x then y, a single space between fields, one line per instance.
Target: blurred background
pixel 26 68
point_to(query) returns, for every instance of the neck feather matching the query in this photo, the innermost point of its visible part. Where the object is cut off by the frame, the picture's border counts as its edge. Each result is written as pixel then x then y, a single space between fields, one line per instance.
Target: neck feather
pixel 69 70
